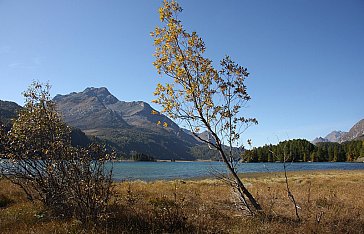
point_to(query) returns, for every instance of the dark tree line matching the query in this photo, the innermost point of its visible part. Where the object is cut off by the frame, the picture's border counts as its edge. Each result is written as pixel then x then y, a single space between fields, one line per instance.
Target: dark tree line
pixel 300 150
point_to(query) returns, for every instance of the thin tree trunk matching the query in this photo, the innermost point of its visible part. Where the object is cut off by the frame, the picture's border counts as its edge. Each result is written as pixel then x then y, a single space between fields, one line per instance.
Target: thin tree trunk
pixel 240 184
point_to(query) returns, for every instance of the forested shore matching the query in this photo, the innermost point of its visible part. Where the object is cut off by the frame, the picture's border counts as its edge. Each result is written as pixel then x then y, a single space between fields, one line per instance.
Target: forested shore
pixel 300 150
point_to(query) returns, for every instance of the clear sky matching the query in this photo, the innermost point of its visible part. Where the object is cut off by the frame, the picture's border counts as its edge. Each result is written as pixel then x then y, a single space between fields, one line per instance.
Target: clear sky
pixel 305 57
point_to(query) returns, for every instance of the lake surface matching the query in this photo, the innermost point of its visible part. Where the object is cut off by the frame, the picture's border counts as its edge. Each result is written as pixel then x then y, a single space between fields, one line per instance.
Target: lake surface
pixel 183 170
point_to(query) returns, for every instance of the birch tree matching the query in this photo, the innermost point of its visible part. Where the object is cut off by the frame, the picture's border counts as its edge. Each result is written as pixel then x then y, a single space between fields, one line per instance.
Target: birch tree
pixel 201 96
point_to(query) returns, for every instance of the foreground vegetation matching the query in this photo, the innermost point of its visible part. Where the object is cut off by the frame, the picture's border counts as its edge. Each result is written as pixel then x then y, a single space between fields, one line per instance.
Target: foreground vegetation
pixel 71 182
pixel 329 201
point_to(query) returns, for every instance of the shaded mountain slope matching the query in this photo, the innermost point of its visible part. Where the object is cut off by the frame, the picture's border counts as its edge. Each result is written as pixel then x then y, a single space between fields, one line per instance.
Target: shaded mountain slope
pixel 8 112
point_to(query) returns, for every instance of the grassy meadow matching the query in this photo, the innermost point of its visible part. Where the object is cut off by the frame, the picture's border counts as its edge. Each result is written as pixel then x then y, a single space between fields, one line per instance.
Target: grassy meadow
pixel 329 202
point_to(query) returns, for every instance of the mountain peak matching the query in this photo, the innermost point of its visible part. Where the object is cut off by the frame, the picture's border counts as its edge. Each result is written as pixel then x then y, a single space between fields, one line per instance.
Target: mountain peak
pixel 96 90
pixel 102 94
pixel 319 139
pixel 128 125
pixel 335 136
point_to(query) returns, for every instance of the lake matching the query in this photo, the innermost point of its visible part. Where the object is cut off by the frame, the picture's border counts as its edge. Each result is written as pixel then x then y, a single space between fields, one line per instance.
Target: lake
pixel 149 171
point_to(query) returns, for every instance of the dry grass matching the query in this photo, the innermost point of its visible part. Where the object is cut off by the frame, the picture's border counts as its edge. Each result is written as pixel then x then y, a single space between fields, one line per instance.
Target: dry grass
pixel 330 202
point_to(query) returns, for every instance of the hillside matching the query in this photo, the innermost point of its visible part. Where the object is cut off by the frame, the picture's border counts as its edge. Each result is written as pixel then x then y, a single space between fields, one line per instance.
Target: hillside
pixel 8 112
pixel 131 126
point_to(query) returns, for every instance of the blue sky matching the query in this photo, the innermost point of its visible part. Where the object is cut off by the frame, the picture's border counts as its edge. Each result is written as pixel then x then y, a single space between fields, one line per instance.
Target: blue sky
pixel 305 57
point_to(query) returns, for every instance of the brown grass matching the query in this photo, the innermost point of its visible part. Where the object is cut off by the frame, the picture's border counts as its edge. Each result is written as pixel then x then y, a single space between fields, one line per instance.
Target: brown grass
pixel 329 201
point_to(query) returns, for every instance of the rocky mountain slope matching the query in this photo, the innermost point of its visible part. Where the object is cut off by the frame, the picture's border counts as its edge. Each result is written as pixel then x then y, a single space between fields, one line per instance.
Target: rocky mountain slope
pixel 131 126
pixel 356 132
pixel 319 139
pixel 335 136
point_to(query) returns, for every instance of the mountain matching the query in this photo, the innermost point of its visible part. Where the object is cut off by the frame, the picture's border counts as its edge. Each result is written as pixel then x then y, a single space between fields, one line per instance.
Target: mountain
pixel 335 136
pixel 8 112
pixel 355 133
pixel 87 110
pixel 130 126
pixel 319 139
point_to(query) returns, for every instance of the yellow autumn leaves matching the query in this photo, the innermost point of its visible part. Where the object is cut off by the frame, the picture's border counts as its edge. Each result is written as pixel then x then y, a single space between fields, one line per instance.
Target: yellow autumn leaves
pixel 154 112
pixel 165 124
pixel 179 55
pixel 198 92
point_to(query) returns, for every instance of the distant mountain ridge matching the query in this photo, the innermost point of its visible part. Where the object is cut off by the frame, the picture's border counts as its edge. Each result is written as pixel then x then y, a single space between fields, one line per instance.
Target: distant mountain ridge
pixel 130 125
pixel 335 136
pixel 319 139
pixel 355 132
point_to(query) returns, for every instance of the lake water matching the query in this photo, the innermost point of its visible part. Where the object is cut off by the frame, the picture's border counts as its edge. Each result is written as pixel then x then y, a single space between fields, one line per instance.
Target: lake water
pixel 183 170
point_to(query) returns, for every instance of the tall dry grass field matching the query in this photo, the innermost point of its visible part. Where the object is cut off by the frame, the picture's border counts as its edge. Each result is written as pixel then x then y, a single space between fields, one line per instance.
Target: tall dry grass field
pixel 329 202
